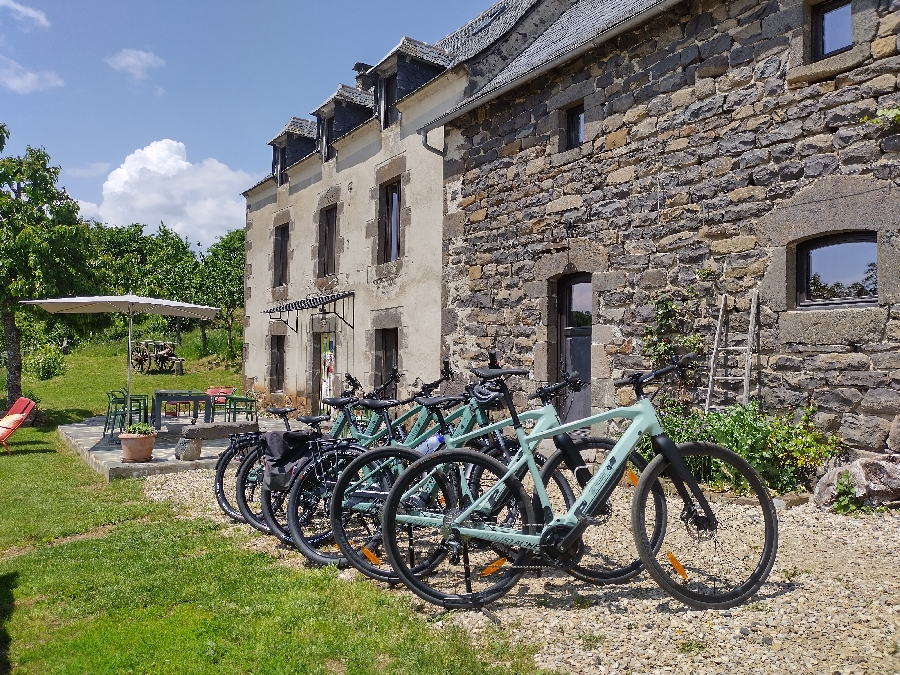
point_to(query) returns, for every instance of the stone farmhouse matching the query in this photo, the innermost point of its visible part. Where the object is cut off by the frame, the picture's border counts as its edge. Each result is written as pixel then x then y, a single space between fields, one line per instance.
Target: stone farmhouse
pixel 537 179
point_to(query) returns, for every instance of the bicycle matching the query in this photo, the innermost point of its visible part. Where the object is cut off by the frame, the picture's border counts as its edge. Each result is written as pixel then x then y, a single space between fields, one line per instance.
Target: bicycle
pixel 710 553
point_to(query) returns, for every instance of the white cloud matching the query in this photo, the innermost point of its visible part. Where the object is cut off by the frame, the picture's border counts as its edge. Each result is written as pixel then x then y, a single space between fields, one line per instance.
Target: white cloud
pixel 89 170
pixel 21 12
pixel 16 78
pixel 134 62
pixel 157 183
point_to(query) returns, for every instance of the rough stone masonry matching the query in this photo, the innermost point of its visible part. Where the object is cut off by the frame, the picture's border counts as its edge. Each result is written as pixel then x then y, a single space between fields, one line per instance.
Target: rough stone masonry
pixel 711 143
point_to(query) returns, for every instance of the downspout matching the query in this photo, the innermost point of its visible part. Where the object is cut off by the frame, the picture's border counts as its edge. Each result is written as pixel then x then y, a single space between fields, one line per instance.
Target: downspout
pixel 433 149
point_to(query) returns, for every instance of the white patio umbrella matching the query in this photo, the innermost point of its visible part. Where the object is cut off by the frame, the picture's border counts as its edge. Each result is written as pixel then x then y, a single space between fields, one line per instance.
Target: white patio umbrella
pixel 128 304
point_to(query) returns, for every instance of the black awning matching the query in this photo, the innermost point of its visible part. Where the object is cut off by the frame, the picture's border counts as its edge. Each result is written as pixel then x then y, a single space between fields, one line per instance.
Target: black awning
pixel 311 302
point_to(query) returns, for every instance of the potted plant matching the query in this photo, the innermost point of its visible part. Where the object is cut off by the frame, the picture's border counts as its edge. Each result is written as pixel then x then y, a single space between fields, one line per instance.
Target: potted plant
pixel 137 443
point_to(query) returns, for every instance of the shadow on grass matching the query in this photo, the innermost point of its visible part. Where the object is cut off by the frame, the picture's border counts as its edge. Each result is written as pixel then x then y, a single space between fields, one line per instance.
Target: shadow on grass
pixel 7 583
pixel 67 416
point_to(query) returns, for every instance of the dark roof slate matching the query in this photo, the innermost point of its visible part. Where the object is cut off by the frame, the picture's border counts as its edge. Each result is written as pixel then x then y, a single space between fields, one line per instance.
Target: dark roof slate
pixel 579 25
pixel 349 95
pixel 484 29
pixel 299 127
pixel 419 50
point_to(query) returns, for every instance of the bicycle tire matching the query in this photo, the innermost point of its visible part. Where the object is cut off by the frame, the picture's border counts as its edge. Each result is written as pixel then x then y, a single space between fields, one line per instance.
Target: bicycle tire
pixel 356 518
pixel 710 568
pixel 445 584
pixel 309 505
pixel 248 486
pixel 273 506
pixel 609 554
pixel 225 482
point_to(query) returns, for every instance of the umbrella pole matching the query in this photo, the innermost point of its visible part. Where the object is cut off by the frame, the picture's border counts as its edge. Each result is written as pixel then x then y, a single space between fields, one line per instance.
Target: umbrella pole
pixel 128 396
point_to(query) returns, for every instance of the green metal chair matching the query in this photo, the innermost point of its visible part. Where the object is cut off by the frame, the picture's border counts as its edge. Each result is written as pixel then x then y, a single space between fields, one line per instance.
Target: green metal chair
pixel 240 405
pixel 140 404
pixel 115 412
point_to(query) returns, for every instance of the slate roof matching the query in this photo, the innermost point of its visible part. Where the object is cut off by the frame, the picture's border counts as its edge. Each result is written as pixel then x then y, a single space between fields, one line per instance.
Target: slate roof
pixel 298 127
pixel 419 50
pixel 349 95
pixel 271 176
pixel 484 29
pixel 583 25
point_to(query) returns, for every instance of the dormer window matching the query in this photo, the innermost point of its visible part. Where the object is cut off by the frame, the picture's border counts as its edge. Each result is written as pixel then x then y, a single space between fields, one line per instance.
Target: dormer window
pixel 832 28
pixel 389 112
pixel 279 164
pixel 328 138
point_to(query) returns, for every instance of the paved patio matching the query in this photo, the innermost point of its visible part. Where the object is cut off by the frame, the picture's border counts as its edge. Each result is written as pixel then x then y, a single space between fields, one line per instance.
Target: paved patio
pixel 104 454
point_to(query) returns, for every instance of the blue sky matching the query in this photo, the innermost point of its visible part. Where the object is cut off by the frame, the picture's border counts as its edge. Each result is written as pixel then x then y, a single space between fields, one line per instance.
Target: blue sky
pixel 169 105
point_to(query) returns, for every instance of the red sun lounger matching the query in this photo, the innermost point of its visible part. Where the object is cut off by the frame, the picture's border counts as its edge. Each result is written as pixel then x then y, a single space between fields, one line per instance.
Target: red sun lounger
pixel 13 419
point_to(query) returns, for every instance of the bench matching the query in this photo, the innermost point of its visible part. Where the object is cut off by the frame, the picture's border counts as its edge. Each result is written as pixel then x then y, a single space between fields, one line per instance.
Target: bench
pixel 190 444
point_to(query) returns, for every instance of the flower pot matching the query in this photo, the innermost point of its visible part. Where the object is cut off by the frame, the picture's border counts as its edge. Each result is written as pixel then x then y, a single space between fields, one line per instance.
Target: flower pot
pixel 137 447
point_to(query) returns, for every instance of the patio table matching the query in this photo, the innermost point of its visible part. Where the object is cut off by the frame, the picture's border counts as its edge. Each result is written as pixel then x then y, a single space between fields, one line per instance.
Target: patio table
pixel 160 397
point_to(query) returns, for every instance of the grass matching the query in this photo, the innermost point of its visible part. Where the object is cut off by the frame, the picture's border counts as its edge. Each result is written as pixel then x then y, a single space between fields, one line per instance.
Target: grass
pixel 691 646
pixel 94 578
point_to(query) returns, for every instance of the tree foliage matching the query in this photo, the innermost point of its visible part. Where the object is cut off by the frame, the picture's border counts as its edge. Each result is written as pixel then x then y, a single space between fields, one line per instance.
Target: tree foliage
pixel 43 249
pixel 221 279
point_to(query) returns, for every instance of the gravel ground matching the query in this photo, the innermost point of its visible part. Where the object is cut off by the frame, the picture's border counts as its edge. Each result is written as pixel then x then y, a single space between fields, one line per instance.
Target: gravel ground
pixel 831 604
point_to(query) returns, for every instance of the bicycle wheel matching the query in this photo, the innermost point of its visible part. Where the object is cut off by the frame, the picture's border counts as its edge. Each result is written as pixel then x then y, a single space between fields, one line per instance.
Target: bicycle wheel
pixel 709 566
pixel 273 506
pixel 225 482
pixel 609 555
pixel 474 571
pixel 357 506
pixel 309 506
pixel 248 485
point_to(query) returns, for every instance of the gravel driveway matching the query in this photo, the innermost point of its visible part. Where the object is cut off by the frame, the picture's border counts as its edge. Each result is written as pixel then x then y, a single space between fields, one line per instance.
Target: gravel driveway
pixel 831 604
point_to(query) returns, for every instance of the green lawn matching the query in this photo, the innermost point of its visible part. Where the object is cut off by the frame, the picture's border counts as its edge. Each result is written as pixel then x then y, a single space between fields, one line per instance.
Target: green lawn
pixel 95 579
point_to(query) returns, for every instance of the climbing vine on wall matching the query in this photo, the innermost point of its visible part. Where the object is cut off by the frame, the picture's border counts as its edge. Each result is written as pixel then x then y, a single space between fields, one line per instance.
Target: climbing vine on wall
pixel 673 329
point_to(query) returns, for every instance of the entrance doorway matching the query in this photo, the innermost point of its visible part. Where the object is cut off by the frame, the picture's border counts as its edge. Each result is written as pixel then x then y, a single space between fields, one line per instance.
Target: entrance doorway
pixel 324 369
pixel 574 346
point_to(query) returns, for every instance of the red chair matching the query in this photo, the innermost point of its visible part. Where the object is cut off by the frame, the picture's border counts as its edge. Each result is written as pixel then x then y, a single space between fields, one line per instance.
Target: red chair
pixel 14 419
pixel 218 395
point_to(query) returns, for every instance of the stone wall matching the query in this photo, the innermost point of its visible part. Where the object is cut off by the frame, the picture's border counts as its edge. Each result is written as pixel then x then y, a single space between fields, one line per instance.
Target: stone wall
pixel 711 142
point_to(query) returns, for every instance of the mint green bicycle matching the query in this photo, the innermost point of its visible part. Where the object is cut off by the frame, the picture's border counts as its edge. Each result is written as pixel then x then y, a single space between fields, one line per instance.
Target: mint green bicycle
pixel 710 544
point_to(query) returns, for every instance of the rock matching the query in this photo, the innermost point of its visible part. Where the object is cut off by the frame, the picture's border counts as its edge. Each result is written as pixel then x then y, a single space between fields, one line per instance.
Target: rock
pixel 208 431
pixel 188 449
pixel 875 482
pixel 893 441
pixel 865 432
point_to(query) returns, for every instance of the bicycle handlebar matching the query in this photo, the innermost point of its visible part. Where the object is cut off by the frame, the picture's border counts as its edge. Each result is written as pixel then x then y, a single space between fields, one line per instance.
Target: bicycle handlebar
pixel 639 379
pixel 570 380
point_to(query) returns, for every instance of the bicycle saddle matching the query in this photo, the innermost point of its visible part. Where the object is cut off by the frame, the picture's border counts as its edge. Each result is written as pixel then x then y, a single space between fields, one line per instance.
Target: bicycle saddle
pixel 312 420
pixel 438 401
pixel 338 402
pixel 280 411
pixel 494 373
pixel 377 404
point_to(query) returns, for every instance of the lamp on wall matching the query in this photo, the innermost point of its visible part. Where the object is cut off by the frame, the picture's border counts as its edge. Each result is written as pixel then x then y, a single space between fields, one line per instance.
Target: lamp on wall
pixel 323 316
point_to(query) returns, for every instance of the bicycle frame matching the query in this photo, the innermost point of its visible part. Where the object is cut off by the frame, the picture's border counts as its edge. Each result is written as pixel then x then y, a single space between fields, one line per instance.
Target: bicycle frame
pixel 547 425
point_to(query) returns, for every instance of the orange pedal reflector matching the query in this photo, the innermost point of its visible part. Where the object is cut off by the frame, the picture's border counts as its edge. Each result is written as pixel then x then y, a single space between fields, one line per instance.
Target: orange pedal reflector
pixel 371 556
pixel 493 567
pixel 632 476
pixel 677 565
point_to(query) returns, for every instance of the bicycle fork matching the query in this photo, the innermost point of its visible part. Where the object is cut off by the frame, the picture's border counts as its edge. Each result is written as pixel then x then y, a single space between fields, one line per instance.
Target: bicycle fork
pixel 685 484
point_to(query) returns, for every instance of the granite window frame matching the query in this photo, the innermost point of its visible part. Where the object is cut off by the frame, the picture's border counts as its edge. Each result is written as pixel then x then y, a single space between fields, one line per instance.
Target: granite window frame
pixel 802 253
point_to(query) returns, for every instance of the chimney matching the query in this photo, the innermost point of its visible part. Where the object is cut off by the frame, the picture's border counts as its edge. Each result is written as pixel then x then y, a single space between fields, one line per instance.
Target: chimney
pixel 364 81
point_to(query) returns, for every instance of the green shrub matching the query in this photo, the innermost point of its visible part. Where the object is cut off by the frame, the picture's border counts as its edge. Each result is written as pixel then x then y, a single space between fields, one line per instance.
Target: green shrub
pixel 141 428
pixel 786 454
pixel 45 363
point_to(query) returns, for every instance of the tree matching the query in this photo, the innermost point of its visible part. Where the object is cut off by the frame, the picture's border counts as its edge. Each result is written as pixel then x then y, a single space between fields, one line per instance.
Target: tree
pixel 42 246
pixel 171 270
pixel 222 280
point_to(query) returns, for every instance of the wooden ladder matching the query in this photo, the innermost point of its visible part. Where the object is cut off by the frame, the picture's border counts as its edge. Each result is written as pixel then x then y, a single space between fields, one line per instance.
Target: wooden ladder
pixel 722 347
